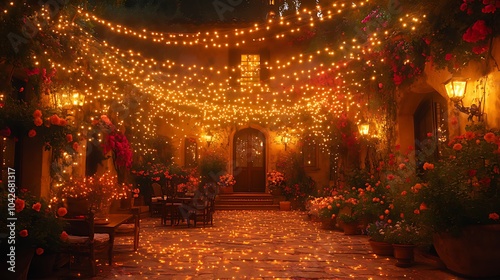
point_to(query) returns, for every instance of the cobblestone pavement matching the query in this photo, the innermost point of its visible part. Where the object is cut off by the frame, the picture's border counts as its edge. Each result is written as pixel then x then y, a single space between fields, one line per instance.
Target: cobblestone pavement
pixel 255 245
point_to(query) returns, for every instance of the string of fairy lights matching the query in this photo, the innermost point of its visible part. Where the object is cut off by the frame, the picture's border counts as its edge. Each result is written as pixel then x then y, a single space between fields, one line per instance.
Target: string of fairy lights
pixel 233 37
pixel 203 94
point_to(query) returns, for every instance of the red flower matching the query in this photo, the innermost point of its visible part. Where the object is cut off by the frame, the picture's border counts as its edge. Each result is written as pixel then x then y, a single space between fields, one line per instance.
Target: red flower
pixel 5 132
pixel 457 147
pixel 20 204
pixel 39 251
pixel 38 121
pixel 480 49
pixel 23 233
pixel 477 32
pixel 448 56
pixel 37 114
pixel 37 206
pixel 491 8
pixel 494 216
pixel 64 236
pixel 32 133
pixel 76 146
pixel 472 172
pixel 63 122
pixel 61 212
pixel 398 79
pixel 69 138
pixel 54 119
pixel 490 137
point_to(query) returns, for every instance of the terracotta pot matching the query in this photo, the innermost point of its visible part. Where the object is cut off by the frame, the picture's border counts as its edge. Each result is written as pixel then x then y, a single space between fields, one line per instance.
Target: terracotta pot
pixel 351 228
pixel 381 248
pixel 474 253
pixel 404 254
pixel 224 190
pixel 285 206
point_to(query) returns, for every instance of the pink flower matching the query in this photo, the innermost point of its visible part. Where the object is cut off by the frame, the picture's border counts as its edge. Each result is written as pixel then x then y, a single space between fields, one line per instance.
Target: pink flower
pixel 64 236
pixel 62 211
pixel 457 147
pixel 38 121
pixel 494 216
pixel 490 137
pixel 39 251
pixel 20 204
pixel 23 233
pixel 37 206
pixel 463 7
pixel 37 114
pixel 32 133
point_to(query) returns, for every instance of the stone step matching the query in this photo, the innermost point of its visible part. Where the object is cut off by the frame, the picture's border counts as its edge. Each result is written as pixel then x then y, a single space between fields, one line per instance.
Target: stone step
pixel 245 201
pixel 247 207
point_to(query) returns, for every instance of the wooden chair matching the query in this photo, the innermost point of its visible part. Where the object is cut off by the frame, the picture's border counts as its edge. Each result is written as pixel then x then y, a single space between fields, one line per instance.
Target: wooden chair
pixel 83 242
pixel 156 200
pixel 203 212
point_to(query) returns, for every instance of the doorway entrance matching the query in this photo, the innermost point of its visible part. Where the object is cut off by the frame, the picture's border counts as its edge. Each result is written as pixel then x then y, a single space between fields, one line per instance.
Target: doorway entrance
pixel 249 158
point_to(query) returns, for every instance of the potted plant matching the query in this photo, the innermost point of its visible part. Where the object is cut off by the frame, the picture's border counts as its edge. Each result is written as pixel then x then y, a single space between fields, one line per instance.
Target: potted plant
pixel 226 183
pixel 275 180
pixel 377 241
pixel 461 203
pixel 92 193
pixel 404 237
pixel 212 164
pixel 328 210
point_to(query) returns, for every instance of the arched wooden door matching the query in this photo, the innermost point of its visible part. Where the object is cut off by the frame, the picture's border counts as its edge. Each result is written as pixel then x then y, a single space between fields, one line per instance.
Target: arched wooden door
pixel 430 117
pixel 249 158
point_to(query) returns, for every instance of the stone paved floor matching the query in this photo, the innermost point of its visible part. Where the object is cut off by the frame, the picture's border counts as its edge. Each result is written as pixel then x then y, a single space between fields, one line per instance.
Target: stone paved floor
pixel 255 245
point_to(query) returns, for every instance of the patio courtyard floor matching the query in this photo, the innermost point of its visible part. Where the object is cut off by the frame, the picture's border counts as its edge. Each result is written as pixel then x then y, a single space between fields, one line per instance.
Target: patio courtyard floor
pixel 256 245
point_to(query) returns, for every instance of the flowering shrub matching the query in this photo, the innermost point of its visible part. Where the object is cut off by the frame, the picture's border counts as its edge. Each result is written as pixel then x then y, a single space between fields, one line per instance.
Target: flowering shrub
pixel 226 180
pixel 463 187
pixel 37 225
pixel 275 179
pixel 122 152
pixel 377 230
pixel 324 207
pixel 98 190
pixel 404 232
